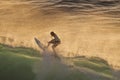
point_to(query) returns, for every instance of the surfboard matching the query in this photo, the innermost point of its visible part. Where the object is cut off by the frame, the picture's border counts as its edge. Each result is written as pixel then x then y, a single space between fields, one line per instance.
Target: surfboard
pixel 40 45
pixel 44 49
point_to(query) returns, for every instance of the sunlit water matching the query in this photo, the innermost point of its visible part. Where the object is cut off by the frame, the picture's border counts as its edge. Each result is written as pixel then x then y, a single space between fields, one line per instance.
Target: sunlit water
pixel 86 27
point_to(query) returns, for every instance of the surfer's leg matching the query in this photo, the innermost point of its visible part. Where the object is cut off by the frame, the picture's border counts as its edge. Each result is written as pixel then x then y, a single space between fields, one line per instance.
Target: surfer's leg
pixel 55 54
pixel 48 45
pixel 53 47
pixel 51 42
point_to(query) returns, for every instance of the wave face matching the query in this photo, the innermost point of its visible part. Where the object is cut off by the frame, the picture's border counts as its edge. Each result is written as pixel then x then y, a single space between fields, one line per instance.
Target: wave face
pixel 85 27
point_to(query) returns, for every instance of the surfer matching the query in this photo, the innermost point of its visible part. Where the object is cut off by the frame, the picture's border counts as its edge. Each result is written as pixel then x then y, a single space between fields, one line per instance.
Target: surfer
pixel 55 41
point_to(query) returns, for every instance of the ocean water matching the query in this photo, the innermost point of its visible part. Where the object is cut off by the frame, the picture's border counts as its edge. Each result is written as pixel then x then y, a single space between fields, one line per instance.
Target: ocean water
pixel 85 27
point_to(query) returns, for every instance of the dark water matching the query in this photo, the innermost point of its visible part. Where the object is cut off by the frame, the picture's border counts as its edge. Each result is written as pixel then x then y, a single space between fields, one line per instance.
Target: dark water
pixel 109 9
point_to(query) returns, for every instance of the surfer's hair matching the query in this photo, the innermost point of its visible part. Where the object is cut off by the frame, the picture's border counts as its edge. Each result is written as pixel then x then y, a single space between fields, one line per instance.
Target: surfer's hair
pixel 52 33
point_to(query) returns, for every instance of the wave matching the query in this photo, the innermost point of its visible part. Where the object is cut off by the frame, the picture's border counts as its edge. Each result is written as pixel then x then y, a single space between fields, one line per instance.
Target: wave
pixel 110 7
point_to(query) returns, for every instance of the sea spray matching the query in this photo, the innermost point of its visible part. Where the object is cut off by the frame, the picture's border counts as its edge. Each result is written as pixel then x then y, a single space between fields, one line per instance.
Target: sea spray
pixel 51 68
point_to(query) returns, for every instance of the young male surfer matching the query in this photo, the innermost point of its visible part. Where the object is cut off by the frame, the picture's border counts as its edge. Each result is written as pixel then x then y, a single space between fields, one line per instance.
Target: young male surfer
pixel 55 41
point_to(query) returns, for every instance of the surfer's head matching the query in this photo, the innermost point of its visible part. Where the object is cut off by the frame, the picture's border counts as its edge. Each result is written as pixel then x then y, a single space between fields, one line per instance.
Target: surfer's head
pixel 52 33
